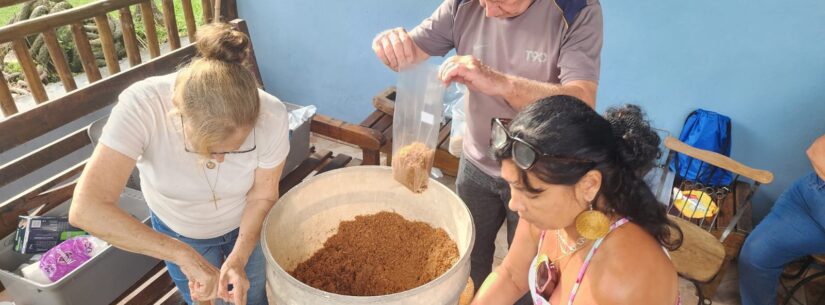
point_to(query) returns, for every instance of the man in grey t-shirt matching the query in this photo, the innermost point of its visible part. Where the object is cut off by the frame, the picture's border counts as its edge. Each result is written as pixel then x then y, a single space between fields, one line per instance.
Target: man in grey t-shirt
pixel 510 53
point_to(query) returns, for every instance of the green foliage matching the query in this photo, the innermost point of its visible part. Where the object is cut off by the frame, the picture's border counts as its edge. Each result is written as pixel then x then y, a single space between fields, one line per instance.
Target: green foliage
pixel 12 67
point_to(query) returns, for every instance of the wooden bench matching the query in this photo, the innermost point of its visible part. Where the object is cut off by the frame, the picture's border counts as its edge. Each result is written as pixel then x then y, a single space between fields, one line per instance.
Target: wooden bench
pixel 55 132
pixel 380 120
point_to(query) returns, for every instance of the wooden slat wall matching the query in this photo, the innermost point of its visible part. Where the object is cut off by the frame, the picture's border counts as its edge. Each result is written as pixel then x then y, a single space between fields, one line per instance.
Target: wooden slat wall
pixel 41 24
pixel 76 18
pixel 29 70
pixel 7 105
pixel 5 3
pixel 87 57
pixel 149 27
pixel 189 16
pixel 59 60
pixel 129 36
pixel 31 124
pixel 107 42
pixel 224 10
pixel 206 10
pixel 171 24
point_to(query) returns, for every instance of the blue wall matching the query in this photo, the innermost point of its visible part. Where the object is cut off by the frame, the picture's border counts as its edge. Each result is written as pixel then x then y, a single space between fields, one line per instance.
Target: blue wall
pixel 760 62
pixel 320 52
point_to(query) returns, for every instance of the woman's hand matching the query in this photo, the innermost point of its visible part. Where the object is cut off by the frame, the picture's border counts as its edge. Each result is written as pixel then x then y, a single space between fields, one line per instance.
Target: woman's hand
pixel 202 275
pixel 232 273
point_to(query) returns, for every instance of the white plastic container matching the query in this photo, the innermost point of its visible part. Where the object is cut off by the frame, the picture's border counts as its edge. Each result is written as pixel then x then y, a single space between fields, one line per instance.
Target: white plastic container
pixel 310 213
pixel 99 281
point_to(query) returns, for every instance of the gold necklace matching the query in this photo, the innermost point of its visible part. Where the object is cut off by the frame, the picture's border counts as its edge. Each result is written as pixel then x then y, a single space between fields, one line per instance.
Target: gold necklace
pixel 211 186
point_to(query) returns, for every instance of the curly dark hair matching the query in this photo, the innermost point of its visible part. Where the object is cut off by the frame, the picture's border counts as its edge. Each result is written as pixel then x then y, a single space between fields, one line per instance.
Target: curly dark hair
pixel 621 145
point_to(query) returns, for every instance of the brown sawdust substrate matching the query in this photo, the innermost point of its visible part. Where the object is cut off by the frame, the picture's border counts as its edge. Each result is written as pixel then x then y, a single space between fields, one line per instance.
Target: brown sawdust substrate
pixel 378 254
pixel 412 164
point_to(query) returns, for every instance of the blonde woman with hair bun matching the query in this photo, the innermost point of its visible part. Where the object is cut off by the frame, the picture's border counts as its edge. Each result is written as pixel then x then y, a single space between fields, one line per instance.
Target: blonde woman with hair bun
pixel 210 147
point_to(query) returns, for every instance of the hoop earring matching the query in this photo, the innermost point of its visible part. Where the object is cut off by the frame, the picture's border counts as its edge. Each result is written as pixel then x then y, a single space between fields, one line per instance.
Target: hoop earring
pixel 592 224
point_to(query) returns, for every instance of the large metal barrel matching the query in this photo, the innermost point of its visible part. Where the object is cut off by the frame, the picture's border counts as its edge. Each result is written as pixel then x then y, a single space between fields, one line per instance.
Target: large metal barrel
pixel 307 215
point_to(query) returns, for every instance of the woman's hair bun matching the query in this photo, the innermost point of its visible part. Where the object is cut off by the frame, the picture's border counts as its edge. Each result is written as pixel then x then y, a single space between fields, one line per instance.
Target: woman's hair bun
pixel 638 143
pixel 220 41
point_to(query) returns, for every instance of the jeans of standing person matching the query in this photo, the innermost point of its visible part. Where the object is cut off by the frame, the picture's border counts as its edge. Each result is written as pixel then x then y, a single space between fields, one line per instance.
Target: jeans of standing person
pixel 215 250
pixel 487 198
pixel 794 228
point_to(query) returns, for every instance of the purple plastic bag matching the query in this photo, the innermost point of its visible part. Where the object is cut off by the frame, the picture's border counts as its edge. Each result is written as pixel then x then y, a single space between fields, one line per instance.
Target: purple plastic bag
pixel 65 257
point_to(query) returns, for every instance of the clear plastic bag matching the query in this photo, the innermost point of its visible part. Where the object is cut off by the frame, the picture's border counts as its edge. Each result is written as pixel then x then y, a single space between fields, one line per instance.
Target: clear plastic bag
pixel 458 123
pixel 453 95
pixel 300 115
pixel 416 121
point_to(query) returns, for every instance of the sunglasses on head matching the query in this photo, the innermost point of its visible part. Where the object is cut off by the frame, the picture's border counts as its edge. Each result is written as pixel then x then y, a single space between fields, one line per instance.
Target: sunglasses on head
pixel 524 154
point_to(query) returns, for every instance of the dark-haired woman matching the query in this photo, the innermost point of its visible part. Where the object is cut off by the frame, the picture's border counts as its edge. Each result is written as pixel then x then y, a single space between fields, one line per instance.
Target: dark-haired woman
pixel 590 230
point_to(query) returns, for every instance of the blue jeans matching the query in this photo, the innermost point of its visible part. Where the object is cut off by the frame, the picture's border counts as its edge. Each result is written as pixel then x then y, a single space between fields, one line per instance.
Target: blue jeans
pixel 794 228
pixel 215 250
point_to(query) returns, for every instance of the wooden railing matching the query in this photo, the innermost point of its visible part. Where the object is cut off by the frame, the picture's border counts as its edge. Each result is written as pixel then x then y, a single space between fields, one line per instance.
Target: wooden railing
pixel 47 25
pixel 52 114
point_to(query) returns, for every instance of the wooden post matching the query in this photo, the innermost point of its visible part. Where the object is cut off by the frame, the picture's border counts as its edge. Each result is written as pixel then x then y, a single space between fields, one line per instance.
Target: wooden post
pixel 6 100
pixel 129 37
pixel 149 26
pixel 59 60
pixel 107 42
pixel 230 9
pixel 206 10
pixel 30 71
pixel 171 24
pixel 371 157
pixel 217 12
pixel 87 57
pixel 189 15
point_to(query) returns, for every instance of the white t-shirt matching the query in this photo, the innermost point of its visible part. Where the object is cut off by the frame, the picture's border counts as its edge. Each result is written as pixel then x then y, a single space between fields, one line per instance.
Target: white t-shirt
pixel 175 184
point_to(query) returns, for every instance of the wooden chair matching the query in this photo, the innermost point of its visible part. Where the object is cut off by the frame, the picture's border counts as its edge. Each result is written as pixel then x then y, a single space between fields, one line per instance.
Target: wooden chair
pixel 813 268
pixel 380 120
pixel 712 239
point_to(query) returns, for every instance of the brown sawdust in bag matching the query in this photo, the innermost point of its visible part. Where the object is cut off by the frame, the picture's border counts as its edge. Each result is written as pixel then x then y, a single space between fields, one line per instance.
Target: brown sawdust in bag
pixel 378 254
pixel 411 166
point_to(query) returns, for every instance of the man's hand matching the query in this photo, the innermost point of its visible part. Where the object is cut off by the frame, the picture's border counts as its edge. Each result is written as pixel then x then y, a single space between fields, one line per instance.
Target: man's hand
pixel 472 72
pixel 396 49
pixel 816 153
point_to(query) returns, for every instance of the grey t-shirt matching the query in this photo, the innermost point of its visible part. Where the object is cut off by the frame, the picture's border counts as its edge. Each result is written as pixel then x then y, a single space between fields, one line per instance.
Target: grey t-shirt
pixel 554 41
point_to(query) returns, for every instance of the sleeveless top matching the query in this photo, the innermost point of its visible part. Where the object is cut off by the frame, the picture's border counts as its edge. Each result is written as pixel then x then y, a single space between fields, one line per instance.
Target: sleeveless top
pixel 531 275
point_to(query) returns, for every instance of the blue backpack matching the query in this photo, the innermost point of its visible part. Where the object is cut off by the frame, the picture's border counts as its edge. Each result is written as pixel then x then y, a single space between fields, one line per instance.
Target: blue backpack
pixel 706 130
